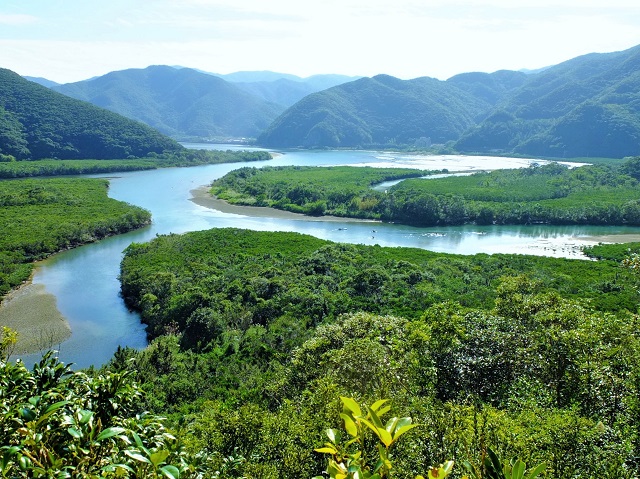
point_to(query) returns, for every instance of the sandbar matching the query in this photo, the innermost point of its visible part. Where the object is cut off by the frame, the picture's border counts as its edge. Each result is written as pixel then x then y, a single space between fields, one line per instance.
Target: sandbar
pixel 202 197
pixel 615 238
pixel 33 313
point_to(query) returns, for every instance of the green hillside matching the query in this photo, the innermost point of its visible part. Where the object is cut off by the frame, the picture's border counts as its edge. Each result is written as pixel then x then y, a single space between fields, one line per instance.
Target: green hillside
pixel 36 123
pixel 587 106
pixel 178 102
pixel 382 110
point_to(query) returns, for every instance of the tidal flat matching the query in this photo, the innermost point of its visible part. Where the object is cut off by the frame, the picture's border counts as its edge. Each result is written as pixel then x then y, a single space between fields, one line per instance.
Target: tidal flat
pixel 32 312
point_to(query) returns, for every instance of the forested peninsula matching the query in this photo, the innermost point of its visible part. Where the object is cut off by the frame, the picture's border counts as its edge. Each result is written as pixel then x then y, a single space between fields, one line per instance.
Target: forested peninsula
pixel 43 216
pixel 604 194
pixel 534 356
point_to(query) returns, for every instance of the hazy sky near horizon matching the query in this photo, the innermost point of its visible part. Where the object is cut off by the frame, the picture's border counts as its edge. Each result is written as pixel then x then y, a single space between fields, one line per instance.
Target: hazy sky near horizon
pixel 72 40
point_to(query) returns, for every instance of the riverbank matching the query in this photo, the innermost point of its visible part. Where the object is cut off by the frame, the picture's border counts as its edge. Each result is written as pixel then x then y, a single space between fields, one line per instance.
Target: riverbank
pixel 33 313
pixel 202 197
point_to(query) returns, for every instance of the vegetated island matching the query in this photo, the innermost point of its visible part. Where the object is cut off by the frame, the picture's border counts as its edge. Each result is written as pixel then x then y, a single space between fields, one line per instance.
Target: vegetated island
pixel 602 194
pixel 256 334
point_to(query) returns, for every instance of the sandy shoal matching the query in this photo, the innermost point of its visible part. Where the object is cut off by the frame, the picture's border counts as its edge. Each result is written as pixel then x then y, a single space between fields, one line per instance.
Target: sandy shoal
pixel 202 197
pixel 618 238
pixel 33 313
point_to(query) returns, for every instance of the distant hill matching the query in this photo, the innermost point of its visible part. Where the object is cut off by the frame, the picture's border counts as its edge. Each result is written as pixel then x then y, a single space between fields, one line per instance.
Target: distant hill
pixel 42 81
pixel 288 89
pixel 36 122
pixel 387 111
pixel 180 102
pixel 282 89
pixel 587 106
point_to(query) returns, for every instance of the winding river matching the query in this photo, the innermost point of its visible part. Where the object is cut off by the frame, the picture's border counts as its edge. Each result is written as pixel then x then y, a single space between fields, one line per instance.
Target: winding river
pixel 85 280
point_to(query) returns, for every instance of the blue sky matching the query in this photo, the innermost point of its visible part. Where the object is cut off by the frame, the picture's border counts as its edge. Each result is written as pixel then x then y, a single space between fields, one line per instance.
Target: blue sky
pixel 71 40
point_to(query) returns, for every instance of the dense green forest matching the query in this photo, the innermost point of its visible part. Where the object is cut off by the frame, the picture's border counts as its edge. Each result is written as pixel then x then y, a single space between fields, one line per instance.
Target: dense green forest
pixel 44 216
pixel 37 123
pixel 587 106
pixel 182 158
pixel 378 111
pixel 258 334
pixel 606 194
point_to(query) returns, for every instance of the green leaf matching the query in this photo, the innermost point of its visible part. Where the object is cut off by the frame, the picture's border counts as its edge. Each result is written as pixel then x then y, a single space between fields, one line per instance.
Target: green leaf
pixel 403 421
pixel 349 425
pixel 536 471
pixel 376 405
pixel 383 411
pixel 24 462
pixel 27 414
pixel 137 456
pixel 158 457
pixel 55 406
pixel 375 419
pixel 326 450
pixel 333 435
pixel 391 425
pixel 351 405
pixel 517 472
pixel 400 431
pixel 75 432
pixel 381 432
pixel 170 471
pixel 109 432
pixel 85 416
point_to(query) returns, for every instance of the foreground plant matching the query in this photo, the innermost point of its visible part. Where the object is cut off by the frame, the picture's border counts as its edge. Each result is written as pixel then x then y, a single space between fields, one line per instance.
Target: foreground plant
pixel 58 423
pixel 349 460
pixel 494 468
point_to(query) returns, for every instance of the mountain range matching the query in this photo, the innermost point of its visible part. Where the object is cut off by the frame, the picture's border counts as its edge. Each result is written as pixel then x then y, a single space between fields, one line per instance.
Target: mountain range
pixel 184 102
pixel 586 107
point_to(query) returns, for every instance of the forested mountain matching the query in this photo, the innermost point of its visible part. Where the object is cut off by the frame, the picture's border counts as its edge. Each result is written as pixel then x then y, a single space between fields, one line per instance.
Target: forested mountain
pixel 382 110
pixel 587 106
pixel 179 102
pixel 36 122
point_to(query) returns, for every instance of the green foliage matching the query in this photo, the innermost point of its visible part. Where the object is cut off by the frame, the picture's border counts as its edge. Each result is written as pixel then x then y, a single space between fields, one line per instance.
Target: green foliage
pixel 285 322
pixel 23 169
pixel 37 123
pixel 552 194
pixel 59 423
pixel 351 459
pixel 339 191
pixel 41 217
pixel 8 339
pixel 494 468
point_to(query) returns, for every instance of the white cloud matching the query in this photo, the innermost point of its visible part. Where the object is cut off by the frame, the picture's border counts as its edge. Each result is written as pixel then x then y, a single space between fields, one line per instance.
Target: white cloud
pixel 17 19
pixel 404 38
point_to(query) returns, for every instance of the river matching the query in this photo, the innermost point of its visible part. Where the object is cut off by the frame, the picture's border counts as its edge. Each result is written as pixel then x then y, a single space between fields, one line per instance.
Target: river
pixel 85 280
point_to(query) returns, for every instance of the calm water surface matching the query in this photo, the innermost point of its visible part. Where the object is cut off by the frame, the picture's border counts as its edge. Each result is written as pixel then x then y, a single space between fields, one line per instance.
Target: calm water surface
pixel 85 280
